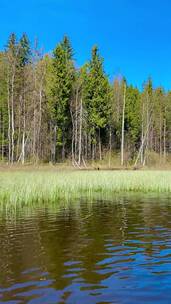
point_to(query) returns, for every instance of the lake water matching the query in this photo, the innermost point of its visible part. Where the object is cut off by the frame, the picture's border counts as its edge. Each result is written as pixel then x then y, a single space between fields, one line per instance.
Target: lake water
pixel 116 251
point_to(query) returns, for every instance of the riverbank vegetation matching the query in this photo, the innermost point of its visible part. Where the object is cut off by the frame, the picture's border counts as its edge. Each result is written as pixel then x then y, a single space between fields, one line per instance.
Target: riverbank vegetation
pixel 52 111
pixel 28 187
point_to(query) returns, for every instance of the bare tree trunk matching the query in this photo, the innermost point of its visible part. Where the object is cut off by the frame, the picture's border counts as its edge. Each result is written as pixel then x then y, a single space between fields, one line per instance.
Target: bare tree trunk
pixel 142 137
pixel 72 148
pixel 80 134
pixel 40 112
pixel 86 146
pixel 164 141
pixel 34 128
pixel 93 152
pixel 19 127
pixel 100 147
pixel 9 124
pixel 76 122
pixel 40 121
pixel 23 148
pixel 3 140
pixel 54 143
pixel 63 146
pixel 1 132
pixel 34 112
pixel 73 139
pixel 160 138
pixel 147 136
pixel 12 117
pixel 123 126
pixel 110 146
pixel 89 146
pixel 142 145
pixel 24 130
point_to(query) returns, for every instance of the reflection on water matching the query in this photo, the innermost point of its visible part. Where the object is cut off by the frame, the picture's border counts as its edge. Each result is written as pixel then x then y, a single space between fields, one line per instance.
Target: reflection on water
pixel 100 252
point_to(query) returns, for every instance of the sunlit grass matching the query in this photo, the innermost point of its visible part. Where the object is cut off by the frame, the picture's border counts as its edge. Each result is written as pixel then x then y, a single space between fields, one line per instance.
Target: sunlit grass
pixel 28 187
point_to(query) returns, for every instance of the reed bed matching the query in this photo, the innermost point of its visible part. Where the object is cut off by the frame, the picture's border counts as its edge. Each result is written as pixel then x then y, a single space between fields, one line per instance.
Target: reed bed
pixel 29 187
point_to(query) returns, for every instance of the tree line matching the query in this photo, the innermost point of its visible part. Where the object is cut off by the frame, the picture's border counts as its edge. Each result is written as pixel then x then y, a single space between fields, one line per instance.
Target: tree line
pixel 51 110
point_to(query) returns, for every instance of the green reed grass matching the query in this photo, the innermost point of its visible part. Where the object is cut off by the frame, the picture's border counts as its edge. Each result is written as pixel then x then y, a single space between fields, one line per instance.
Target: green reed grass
pixel 28 187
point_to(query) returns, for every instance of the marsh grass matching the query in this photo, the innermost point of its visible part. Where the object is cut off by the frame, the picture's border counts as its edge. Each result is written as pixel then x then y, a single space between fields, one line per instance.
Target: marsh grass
pixel 31 187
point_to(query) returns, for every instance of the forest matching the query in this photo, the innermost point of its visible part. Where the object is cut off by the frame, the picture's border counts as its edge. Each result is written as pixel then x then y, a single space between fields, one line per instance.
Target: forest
pixel 52 111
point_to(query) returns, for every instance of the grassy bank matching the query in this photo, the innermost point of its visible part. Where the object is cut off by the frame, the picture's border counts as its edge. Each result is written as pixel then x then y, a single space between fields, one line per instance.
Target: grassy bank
pixel 27 187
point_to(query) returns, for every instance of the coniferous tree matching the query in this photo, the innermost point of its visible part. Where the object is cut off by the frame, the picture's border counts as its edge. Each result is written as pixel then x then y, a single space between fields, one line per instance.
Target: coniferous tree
pixel 50 111
pixel 60 95
pixel 97 100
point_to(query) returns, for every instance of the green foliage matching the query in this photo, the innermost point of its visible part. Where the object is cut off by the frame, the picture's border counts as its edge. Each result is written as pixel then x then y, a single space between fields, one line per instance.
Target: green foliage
pixel 12 45
pixel 63 71
pixel 96 93
pixel 76 111
pixel 132 117
pixel 24 51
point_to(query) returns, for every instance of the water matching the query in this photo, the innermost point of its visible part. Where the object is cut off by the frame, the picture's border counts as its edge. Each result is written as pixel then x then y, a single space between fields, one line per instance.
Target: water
pixel 102 252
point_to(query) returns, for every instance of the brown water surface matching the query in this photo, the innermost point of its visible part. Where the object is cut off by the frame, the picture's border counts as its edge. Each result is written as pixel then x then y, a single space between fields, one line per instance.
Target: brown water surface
pixel 116 251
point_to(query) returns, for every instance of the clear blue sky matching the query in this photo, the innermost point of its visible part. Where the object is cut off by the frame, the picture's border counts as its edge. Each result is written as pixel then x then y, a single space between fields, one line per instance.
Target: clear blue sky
pixel 134 36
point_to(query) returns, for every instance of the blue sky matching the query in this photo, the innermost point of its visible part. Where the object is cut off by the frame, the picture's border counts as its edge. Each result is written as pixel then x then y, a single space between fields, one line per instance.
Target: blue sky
pixel 134 36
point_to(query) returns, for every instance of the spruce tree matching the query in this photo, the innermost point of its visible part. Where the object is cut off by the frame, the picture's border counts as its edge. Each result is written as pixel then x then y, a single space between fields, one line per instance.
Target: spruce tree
pixel 61 92
pixel 97 96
